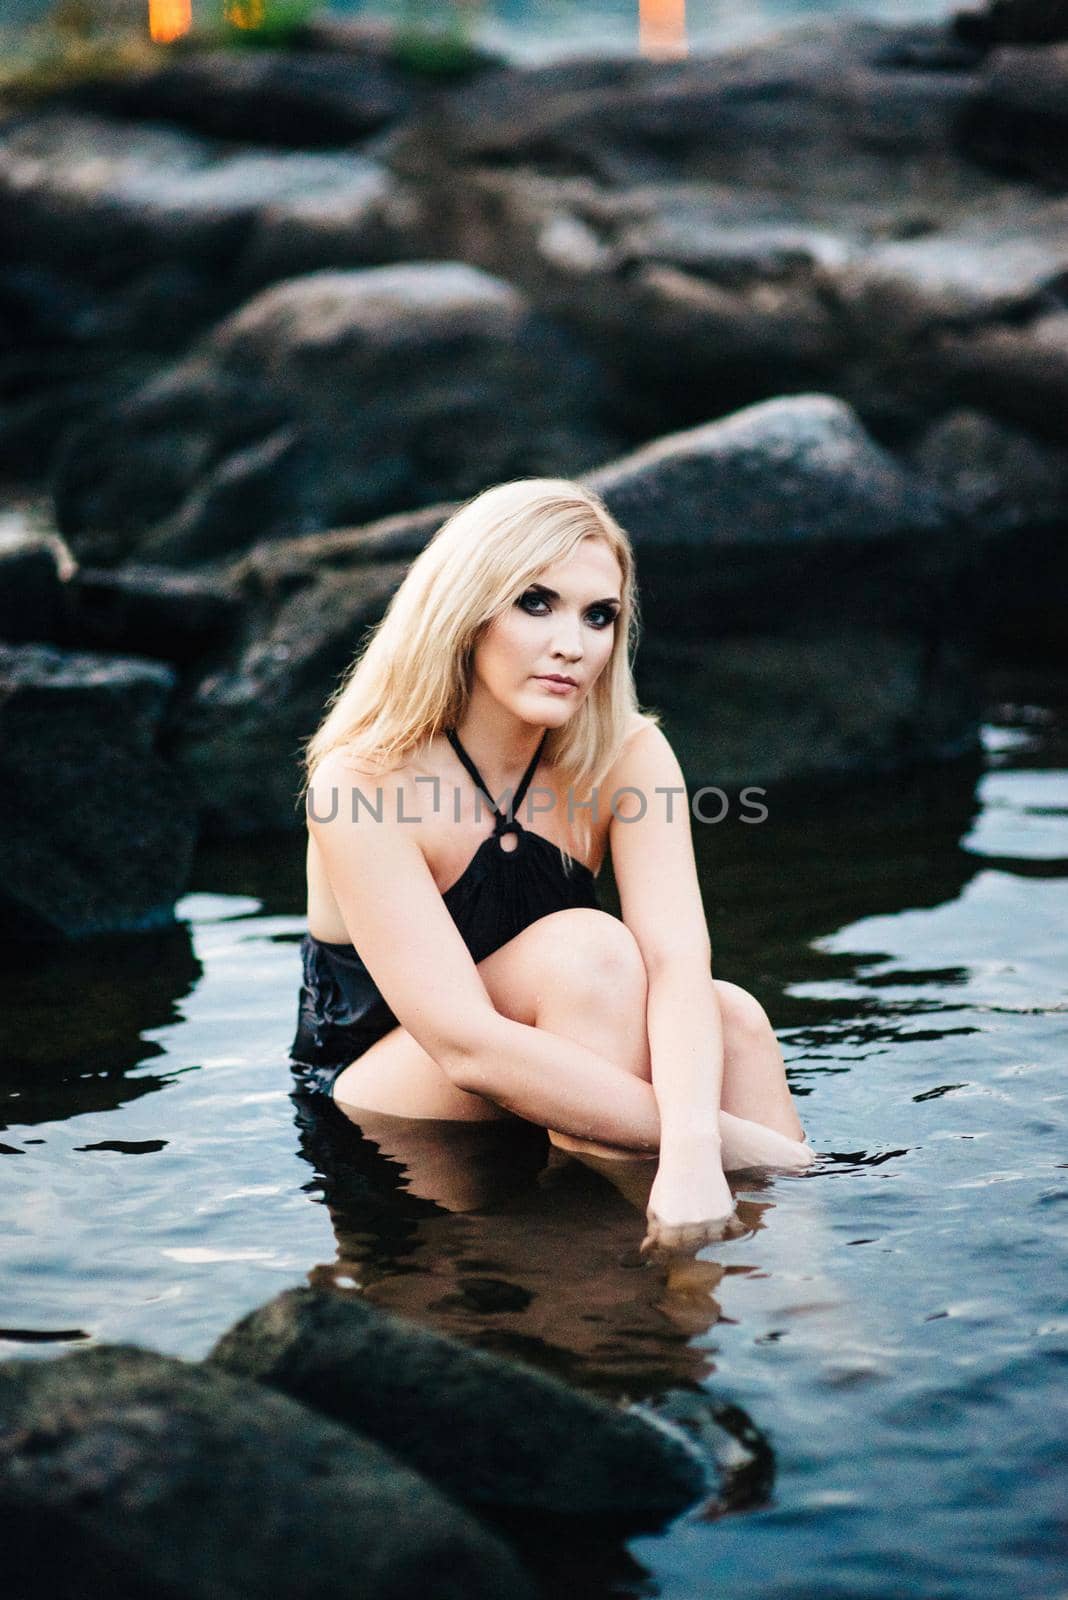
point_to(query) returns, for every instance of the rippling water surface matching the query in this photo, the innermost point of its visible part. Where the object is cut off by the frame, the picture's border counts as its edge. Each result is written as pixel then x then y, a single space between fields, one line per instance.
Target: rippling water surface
pixel 889 1339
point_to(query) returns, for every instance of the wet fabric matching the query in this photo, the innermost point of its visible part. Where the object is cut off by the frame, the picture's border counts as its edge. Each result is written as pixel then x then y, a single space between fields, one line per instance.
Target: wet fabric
pixel 501 891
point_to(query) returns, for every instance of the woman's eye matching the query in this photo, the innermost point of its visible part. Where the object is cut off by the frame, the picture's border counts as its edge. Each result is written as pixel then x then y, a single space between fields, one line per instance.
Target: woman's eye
pixel 601 616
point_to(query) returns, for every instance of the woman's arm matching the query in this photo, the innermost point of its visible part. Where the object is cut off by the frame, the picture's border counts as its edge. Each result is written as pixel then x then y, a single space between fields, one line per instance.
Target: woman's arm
pixel 660 898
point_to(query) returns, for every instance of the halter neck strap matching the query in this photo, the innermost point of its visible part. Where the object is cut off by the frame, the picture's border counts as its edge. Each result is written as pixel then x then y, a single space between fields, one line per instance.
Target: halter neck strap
pixel 502 823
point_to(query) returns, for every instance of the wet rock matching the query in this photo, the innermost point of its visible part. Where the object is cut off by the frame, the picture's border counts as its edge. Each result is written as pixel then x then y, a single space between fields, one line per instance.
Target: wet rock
pixel 129 1474
pixel 332 398
pixel 496 1435
pixel 96 831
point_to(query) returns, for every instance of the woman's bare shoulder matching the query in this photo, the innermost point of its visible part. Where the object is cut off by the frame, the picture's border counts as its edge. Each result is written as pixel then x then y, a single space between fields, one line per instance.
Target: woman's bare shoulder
pixel 343 772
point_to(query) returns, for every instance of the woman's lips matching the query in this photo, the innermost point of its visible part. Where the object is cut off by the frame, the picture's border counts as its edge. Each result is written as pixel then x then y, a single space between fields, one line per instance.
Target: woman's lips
pixel 557 686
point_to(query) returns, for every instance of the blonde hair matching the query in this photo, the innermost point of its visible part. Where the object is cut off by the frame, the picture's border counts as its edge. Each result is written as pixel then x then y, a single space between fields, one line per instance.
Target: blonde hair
pixel 411 678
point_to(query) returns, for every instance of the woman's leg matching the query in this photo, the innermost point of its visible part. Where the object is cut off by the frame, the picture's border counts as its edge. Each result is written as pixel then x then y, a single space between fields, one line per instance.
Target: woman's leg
pixel 579 974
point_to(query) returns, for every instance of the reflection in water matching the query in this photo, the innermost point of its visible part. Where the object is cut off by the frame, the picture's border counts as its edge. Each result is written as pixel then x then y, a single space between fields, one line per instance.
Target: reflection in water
pixel 75 1016
pixel 485 1231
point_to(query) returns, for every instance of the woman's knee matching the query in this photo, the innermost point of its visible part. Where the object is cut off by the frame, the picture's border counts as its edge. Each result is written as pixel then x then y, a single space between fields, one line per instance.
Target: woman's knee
pixel 590 957
pixel 744 1018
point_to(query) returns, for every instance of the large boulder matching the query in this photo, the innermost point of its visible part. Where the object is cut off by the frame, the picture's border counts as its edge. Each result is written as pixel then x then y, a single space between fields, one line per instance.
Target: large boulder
pixel 96 830
pixel 129 1474
pixel 329 398
pixel 500 1437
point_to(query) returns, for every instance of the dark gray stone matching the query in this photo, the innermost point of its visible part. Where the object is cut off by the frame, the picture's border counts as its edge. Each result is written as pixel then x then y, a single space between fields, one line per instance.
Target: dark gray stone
pixel 1000 480
pixel 148 611
pixel 271 97
pixel 96 829
pixel 120 242
pixel 236 739
pixel 333 398
pixel 494 1434
pixel 129 1474
pixel 1011 491
pixel 1018 120
pixel 33 571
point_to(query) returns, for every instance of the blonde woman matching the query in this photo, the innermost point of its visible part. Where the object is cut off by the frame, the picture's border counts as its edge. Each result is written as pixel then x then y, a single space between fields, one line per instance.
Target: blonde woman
pixel 477 762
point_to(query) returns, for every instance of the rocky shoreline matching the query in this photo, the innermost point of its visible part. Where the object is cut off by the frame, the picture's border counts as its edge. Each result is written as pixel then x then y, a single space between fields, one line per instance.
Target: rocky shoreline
pixel 798 310
pixel 326 1444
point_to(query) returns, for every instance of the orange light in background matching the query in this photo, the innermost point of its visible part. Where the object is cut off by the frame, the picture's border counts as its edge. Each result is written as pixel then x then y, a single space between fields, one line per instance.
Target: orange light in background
pixel 169 19
pixel 246 13
pixel 662 28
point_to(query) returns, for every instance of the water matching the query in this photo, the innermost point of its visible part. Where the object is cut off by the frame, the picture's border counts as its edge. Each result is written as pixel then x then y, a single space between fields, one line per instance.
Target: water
pixel 893 1326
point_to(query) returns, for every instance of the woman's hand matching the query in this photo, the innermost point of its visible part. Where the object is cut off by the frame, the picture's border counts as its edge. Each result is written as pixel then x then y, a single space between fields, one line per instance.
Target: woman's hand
pixel 690 1203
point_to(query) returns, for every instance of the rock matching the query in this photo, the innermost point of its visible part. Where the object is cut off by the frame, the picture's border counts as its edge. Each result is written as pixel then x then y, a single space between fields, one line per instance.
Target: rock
pixel 236 739
pixel 1012 494
pixel 147 611
pixel 499 1437
pixel 284 98
pixel 126 1473
pixel 96 831
pixel 1000 480
pixel 819 628
pixel 805 213
pixel 332 398
pixel 120 242
pixel 33 570
pixel 1018 373
pixel 1018 119
pixel 1014 22
pixel 824 705
pixel 763 509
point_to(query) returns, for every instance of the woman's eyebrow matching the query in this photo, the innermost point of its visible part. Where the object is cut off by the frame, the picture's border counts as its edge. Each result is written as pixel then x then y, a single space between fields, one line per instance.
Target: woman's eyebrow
pixel 551 594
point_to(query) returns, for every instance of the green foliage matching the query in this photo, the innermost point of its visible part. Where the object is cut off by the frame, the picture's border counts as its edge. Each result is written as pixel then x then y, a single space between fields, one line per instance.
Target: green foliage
pixel 267 23
pixel 434 39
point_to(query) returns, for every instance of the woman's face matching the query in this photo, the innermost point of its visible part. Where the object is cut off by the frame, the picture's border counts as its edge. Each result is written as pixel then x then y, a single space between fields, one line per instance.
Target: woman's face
pixel 562 625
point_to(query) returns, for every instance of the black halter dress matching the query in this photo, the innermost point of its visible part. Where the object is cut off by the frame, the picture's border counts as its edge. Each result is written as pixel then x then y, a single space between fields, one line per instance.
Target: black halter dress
pixel 501 892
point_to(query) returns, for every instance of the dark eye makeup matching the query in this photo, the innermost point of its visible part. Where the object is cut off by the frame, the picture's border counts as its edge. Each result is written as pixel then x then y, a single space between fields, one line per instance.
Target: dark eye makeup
pixel 531 597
